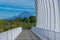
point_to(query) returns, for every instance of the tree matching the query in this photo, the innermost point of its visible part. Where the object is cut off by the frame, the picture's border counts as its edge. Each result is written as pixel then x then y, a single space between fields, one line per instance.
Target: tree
pixel 32 19
pixel 26 20
pixel 17 20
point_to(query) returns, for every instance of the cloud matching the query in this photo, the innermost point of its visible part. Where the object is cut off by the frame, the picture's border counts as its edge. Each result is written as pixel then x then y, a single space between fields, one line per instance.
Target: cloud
pixel 17 9
pixel 9 8
pixel 25 3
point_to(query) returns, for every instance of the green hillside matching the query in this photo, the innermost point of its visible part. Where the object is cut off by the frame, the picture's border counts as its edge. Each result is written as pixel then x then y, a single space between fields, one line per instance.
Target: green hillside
pixel 25 23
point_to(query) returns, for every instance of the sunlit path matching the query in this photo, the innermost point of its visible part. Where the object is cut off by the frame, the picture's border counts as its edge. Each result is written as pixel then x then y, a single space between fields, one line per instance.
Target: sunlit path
pixel 27 35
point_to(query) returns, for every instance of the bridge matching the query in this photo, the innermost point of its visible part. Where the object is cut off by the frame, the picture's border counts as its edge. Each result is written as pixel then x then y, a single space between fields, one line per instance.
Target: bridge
pixel 47 22
pixel 48 19
pixel 27 35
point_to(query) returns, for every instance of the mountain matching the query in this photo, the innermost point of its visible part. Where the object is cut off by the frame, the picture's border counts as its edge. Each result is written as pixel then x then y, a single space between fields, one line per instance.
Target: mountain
pixel 22 15
pixel 12 18
pixel 25 14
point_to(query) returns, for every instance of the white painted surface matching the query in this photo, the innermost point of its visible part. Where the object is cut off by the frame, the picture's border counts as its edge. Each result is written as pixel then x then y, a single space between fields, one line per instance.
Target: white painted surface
pixel 48 15
pixel 40 33
pixel 46 34
pixel 48 19
pixel 11 34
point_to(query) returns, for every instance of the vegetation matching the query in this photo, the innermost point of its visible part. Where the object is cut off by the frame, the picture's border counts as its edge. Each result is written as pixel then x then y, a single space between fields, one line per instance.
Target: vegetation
pixel 26 23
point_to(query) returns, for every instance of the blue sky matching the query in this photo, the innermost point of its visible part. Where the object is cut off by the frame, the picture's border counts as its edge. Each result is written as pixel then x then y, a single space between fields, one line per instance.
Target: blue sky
pixel 10 8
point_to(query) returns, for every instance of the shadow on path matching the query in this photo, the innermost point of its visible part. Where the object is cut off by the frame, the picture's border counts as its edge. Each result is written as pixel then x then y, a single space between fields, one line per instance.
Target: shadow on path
pixel 27 35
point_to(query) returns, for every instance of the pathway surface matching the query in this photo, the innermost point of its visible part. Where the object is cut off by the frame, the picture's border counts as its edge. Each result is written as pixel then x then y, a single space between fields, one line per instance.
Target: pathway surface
pixel 27 35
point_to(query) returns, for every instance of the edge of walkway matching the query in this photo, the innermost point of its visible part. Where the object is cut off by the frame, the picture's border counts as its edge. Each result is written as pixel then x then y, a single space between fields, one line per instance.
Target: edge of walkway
pixel 36 32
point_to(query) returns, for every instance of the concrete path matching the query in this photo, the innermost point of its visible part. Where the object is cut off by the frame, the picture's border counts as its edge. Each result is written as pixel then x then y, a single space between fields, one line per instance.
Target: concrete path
pixel 27 35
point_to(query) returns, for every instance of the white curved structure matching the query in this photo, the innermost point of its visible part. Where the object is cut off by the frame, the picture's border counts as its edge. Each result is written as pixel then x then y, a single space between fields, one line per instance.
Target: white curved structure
pixel 10 34
pixel 48 19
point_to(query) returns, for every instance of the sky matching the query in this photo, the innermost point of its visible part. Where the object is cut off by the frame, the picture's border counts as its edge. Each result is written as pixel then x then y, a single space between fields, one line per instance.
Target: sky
pixel 11 8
